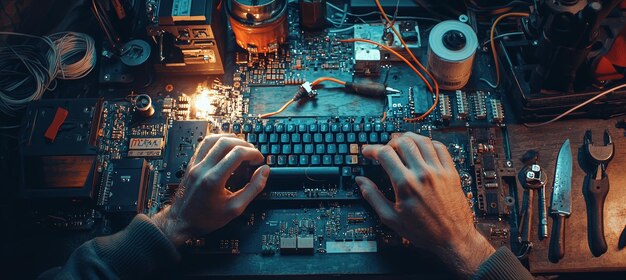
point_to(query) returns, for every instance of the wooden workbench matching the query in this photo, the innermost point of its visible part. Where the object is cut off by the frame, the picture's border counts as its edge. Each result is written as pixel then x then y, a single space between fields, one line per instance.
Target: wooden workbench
pixel 547 140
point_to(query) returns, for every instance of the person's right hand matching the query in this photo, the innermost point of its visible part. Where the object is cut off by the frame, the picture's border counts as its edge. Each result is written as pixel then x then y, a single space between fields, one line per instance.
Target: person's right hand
pixel 430 209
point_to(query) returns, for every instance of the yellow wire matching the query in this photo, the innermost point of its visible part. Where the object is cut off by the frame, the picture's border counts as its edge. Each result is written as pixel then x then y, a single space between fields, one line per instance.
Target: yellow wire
pixel 322 79
pixel 267 115
pixel 493 44
pixel 314 83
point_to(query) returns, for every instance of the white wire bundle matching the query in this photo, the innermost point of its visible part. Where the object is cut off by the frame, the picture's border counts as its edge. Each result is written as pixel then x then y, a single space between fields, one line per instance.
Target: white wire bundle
pixel 26 71
pixel 28 67
pixel 71 45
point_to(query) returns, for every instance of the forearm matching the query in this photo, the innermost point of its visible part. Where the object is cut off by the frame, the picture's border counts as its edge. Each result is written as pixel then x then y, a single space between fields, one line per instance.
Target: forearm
pixel 135 251
pixel 502 265
pixel 464 255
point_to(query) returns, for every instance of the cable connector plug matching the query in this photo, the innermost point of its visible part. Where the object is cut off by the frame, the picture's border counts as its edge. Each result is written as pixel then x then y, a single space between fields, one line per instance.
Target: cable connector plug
pixel 305 90
pixel 370 89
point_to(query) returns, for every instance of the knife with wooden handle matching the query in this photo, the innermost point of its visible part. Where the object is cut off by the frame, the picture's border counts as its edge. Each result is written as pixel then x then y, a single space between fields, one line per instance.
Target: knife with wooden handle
pixel 561 204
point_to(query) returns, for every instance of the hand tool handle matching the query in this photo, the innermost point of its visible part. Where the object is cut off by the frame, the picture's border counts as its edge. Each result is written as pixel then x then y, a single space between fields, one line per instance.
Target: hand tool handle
pixel 596 194
pixel 528 216
pixel 557 239
pixel 543 214
pixel 622 240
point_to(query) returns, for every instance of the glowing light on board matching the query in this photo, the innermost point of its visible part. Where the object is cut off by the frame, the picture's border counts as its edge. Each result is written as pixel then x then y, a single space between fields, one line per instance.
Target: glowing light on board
pixel 204 102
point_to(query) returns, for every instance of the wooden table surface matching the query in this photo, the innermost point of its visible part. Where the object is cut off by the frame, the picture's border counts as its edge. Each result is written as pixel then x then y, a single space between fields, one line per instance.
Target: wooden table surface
pixel 547 140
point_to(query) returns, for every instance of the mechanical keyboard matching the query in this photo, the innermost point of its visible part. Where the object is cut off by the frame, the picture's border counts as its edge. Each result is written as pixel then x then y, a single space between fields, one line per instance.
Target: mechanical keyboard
pixel 311 159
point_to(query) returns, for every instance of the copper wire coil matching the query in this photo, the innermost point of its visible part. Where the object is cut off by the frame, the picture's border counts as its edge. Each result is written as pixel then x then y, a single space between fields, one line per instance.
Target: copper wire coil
pixel 259 28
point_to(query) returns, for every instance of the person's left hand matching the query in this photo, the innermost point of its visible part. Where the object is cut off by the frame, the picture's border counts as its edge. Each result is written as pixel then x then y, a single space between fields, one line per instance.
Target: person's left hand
pixel 202 202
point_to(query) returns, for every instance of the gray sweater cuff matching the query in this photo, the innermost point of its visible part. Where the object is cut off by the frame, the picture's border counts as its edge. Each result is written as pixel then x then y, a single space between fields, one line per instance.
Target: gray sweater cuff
pixel 502 265
pixel 138 249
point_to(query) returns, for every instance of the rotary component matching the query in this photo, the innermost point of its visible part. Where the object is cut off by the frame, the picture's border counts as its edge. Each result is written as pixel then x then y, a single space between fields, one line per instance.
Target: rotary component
pixel 260 26
pixel 143 105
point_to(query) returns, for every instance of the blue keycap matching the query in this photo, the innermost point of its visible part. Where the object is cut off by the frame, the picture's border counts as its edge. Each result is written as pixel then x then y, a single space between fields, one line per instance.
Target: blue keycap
pixel 315 160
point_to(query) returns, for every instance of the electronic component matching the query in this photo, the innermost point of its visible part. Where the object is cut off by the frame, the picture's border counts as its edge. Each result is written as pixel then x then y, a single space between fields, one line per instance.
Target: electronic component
pixel 145 147
pixel 288 245
pixel 479 106
pixel 313 14
pixel 305 245
pixel 367 62
pixel 462 106
pixel 351 247
pixel 183 137
pixel 190 35
pixel 143 105
pixel 497 111
pixel 378 33
pixel 451 48
pixel 66 167
pixel 259 26
pixel 127 186
pixel 421 101
pixel 53 129
pixel 445 109
pixel 59 176
pixel 397 105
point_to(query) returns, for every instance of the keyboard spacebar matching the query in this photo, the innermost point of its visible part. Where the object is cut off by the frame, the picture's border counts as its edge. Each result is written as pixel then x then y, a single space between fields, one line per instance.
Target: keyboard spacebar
pixel 304 171
pixel 299 175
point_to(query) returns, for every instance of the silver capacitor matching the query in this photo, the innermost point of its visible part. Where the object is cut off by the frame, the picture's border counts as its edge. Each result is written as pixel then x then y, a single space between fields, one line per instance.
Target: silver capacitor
pixel 143 105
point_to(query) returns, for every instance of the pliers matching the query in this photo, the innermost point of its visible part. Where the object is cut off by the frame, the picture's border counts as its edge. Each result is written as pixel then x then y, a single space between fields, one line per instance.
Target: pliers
pixel 596 188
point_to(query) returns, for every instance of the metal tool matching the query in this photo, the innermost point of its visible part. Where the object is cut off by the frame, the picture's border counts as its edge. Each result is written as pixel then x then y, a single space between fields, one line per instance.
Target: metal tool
pixel 596 188
pixel 543 213
pixel 561 203
pixel 533 180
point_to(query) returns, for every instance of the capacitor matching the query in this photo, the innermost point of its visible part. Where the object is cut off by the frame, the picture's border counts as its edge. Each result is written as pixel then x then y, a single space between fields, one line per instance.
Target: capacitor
pixel 313 14
pixel 143 105
pixel 451 49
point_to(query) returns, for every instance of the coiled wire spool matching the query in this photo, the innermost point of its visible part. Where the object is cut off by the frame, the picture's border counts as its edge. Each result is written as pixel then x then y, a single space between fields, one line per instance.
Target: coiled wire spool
pixel 259 26
pixel 29 65
pixel 451 49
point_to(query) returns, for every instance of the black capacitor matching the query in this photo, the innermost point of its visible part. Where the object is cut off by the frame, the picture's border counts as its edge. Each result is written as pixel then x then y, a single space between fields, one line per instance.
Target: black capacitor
pixel 143 104
pixel 313 14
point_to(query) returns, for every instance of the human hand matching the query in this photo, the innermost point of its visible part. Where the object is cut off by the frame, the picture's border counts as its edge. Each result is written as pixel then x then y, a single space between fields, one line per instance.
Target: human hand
pixel 430 209
pixel 202 202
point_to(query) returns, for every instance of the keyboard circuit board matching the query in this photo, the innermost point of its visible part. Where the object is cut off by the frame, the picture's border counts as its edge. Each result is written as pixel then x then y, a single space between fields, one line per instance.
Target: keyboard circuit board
pixel 311 205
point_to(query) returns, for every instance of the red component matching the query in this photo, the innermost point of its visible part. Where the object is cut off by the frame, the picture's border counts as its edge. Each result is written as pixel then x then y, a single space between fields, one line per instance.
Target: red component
pixel 53 129
pixel 605 69
pixel 616 54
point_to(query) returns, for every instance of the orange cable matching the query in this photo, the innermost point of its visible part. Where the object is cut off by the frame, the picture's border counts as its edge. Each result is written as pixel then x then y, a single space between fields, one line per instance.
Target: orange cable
pixel 267 115
pixel 493 44
pixel 322 79
pixel 382 11
pixel 314 83
pixel 436 91
pixel 389 50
